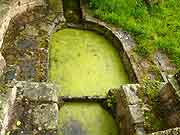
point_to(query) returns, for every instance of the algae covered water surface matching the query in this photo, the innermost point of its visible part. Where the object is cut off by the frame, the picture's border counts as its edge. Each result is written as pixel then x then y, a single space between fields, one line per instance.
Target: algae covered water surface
pixel 85 119
pixel 84 63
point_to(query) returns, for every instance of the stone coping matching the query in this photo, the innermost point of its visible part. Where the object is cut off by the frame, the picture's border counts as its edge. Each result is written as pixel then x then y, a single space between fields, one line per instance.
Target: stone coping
pixel 99 99
pixel 175 85
pixel 172 131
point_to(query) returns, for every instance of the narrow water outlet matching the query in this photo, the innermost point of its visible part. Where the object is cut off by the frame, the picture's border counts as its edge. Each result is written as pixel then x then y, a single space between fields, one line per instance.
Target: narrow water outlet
pixel 72 11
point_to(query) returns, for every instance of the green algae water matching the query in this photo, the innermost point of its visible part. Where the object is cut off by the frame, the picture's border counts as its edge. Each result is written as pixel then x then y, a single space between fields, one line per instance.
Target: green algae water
pixel 85 119
pixel 84 63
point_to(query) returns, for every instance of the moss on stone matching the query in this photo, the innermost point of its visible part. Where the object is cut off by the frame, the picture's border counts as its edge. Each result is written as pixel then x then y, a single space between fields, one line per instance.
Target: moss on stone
pixel 154 120
pixel 153 123
pixel 3 88
pixel 151 89
pixel 55 5
pixel 72 10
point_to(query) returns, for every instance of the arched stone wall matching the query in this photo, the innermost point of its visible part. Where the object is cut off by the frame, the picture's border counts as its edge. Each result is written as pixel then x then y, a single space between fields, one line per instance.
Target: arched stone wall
pixel 14 7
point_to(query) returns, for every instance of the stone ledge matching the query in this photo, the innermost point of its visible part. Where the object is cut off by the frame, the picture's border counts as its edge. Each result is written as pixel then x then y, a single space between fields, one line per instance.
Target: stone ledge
pixel 46 116
pixel 15 9
pixel 129 91
pixel 2 64
pixel 22 116
pixel 173 131
pixel 28 132
pixel 31 106
pixel 83 99
pixel 7 103
pixel 38 92
pixel 175 85
pixel 169 98
pixel 128 110
pixel 136 114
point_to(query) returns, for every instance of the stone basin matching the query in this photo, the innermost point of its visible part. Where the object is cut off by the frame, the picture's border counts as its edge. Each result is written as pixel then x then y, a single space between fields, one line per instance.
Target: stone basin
pixel 84 63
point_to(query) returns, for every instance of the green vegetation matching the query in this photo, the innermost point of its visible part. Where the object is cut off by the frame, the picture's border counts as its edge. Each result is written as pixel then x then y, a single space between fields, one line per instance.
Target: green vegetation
pixel 151 89
pixel 55 5
pixel 86 118
pixel 84 63
pixel 153 118
pixel 3 88
pixel 153 123
pixel 72 11
pixel 154 27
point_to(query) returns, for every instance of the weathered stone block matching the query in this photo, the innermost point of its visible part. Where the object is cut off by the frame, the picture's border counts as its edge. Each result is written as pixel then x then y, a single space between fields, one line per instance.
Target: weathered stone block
pixel 128 110
pixel 3 102
pixel 38 91
pixel 130 95
pixel 2 64
pixel 136 114
pixel 56 5
pixel 35 111
pixel 28 132
pixel 46 116
pixel 170 102
pixel 16 7
pixel 173 131
pixel 7 103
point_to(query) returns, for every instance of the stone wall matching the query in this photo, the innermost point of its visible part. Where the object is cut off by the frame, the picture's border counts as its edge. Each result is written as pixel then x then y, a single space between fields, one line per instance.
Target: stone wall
pixel 9 10
pixel 98 99
pixel 33 109
pixel 177 76
pixel 173 131
pixel 170 101
pixel 2 64
pixel 129 114
pixel 7 102
pixel 16 7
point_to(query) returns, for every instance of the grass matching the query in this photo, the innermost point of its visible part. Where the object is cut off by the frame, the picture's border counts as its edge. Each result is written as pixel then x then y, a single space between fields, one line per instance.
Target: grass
pixel 153 123
pixel 84 63
pixel 156 27
pixel 152 89
pixel 90 119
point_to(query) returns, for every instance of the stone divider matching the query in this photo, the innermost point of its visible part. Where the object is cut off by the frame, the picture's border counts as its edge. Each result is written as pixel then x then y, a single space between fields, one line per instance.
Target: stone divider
pixel 129 114
pixel 7 109
pixel 169 98
pixel 99 99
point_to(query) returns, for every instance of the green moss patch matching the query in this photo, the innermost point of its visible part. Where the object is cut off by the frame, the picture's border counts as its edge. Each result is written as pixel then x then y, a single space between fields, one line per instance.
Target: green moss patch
pixel 154 120
pixel 86 119
pixel 84 63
